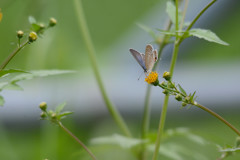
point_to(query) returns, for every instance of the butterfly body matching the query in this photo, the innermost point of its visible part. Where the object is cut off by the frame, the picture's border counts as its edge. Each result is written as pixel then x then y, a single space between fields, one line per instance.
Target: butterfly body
pixel 147 60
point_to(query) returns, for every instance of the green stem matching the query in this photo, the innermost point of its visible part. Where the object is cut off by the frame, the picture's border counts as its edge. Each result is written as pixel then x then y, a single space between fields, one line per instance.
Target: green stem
pixel 161 127
pixel 176 19
pixel 165 105
pixel 77 140
pixel 184 14
pixel 196 18
pixel 10 57
pixel 146 112
pixel 218 117
pixel 92 55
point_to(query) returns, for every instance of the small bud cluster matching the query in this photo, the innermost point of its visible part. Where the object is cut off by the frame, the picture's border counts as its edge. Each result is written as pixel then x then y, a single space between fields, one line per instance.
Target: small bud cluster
pixel 37 29
pixel 169 88
pixel 53 116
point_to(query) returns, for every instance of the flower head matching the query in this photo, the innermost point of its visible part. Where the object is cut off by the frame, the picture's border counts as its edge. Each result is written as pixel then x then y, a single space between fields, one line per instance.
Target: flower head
pixel 152 78
pixel 32 36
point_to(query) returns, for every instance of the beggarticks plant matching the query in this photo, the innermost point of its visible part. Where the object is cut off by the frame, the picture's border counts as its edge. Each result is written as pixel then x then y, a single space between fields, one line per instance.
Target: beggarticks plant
pixel 16 75
pixel 56 116
pixel 175 32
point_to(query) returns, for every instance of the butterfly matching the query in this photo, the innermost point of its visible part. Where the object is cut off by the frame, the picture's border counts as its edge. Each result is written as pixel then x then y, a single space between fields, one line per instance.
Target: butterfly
pixel 147 60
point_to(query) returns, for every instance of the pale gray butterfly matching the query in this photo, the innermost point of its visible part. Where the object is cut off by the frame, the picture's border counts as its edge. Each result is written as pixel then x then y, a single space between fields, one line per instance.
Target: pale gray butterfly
pixel 147 60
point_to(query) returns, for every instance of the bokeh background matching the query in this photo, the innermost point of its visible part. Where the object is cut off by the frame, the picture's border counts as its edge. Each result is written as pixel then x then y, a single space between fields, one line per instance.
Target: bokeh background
pixel 209 69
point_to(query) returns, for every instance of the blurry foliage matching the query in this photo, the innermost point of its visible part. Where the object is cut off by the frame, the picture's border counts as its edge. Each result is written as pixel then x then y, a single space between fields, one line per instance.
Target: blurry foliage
pixel 107 21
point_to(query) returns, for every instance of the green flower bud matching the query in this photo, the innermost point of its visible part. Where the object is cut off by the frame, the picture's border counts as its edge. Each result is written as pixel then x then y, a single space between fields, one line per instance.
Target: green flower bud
pixel 43 106
pixel 171 85
pixel 20 34
pixel 54 116
pixel 237 145
pixel 178 97
pixel 43 115
pixel 187 99
pixel 167 76
pixel 165 91
pixel 184 104
pixel 52 22
pixel 163 83
pixel 42 26
pixel 32 36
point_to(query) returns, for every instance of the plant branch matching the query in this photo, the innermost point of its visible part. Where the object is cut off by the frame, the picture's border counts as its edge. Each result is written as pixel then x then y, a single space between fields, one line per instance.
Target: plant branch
pixel 196 18
pixel 165 104
pixel 218 117
pixel 76 139
pixel 92 55
pixel 10 57
pixel 146 112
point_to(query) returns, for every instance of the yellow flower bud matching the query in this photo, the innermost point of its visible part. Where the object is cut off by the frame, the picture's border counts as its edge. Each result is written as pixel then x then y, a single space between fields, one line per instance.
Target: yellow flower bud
pixel 52 22
pixel 32 36
pixel 20 34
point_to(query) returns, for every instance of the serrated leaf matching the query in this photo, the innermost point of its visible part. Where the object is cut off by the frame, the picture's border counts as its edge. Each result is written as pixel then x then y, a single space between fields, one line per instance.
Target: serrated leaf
pixel 181 89
pixel 31 20
pixel 2 101
pixel 171 11
pixel 148 30
pixel 60 107
pixel 207 35
pixel 4 72
pixel 122 141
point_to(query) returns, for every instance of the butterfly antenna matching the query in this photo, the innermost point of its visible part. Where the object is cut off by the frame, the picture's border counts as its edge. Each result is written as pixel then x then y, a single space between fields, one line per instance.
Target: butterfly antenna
pixel 140 75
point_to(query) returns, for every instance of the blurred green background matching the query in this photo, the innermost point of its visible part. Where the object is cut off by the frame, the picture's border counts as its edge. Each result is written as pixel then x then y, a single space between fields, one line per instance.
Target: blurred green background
pixel 210 69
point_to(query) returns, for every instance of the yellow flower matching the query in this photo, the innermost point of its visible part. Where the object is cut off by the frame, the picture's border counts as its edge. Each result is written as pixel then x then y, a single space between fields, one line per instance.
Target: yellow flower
pixel 152 78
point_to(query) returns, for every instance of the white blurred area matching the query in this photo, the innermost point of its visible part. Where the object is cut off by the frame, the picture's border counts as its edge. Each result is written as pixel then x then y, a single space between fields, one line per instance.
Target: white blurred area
pixel 215 85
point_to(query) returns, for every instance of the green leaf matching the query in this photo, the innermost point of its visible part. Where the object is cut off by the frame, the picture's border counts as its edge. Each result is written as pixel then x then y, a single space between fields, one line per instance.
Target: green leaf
pixel 39 73
pixel 64 114
pixel 60 107
pixel 148 30
pixel 31 20
pixel 13 86
pixel 207 35
pixel 171 11
pixel 170 33
pixel 35 27
pixel 181 89
pixel 122 141
pixel 2 101
pixel 3 85
pixel 4 72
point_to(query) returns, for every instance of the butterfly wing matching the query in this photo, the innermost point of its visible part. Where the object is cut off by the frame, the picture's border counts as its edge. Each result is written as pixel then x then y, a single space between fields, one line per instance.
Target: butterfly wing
pixel 150 57
pixel 139 58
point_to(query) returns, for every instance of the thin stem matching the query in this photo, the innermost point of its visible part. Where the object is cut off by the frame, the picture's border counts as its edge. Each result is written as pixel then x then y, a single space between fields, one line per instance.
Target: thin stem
pixel 92 55
pixel 146 112
pixel 10 57
pixel 165 105
pixel 76 139
pixel 196 18
pixel 161 127
pixel 184 14
pixel 218 117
